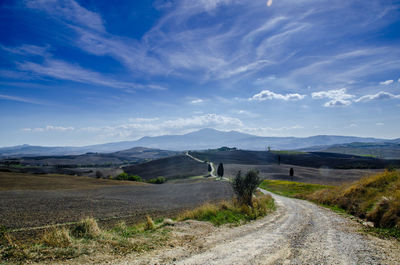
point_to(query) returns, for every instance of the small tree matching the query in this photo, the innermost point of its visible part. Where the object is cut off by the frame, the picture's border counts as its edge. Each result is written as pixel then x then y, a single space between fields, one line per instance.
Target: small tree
pixel 244 187
pixel 209 168
pixel 220 170
pixel 291 173
pixel 99 174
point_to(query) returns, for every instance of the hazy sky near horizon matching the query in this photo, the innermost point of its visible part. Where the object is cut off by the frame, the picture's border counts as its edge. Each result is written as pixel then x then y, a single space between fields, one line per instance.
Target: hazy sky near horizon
pixel 75 72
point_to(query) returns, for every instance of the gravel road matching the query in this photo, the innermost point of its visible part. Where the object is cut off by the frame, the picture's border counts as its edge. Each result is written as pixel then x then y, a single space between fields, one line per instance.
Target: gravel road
pixel 298 233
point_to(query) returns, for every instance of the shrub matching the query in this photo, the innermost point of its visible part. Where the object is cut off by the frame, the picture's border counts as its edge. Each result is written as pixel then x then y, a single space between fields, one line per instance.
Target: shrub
pixel 159 180
pixel 126 176
pixel 99 174
pixel 87 228
pixel 149 223
pixel 244 187
pixel 57 237
pixel 228 212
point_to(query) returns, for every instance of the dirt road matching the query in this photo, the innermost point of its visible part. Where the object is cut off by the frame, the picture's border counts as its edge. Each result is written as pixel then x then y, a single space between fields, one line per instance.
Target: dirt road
pixel 299 232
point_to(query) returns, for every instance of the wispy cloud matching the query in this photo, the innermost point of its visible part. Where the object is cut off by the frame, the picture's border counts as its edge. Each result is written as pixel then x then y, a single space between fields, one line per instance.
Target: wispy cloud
pixel 20 99
pixel 70 11
pixel 196 101
pixel 378 96
pixel 49 128
pixel 27 50
pixel 62 70
pixel 269 95
pixel 387 82
pixel 338 97
pixel 137 128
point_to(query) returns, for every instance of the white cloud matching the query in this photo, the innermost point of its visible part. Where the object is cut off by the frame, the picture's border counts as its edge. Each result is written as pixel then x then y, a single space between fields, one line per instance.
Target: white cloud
pixel 254 66
pixel 138 127
pixel 268 95
pixel 378 96
pixel 73 72
pixel 196 101
pixel 20 99
pixel 143 119
pixel 27 50
pixel 379 124
pixel 70 11
pixel 387 82
pixel 49 128
pixel 269 3
pixel 270 131
pixel 339 97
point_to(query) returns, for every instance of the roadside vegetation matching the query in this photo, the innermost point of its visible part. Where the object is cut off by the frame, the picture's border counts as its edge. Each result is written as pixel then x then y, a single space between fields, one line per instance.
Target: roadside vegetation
pixel 248 205
pixel 375 198
pixel 126 176
pixel 84 238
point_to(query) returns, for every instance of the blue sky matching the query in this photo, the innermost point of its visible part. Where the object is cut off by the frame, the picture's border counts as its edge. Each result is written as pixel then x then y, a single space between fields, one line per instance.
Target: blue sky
pixel 76 72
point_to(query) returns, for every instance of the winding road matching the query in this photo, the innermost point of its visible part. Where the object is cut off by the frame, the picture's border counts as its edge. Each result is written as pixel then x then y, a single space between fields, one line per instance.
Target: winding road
pixel 299 232
pixel 213 170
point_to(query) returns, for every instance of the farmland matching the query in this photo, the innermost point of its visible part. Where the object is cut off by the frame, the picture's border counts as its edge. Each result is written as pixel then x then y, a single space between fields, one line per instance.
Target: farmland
pixel 37 200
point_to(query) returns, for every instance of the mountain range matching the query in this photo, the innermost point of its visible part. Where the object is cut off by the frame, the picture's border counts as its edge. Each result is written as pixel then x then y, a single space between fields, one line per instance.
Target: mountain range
pixel 198 140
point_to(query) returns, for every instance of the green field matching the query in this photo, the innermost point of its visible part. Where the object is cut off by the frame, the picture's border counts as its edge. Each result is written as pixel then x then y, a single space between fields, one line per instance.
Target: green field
pixel 291 188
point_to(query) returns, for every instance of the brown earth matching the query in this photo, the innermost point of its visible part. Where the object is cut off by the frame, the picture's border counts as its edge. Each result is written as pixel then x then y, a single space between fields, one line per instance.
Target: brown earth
pixel 302 174
pixel 40 200
pixel 180 166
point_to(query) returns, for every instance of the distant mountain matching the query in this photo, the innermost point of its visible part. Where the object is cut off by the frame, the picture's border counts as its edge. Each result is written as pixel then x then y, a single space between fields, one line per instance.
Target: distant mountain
pixel 210 138
pixel 198 140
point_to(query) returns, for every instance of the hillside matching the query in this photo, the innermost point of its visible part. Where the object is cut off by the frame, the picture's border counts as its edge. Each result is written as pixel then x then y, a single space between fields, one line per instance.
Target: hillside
pixel 133 155
pixel 376 198
pixel 384 150
pixel 179 166
pixel 305 159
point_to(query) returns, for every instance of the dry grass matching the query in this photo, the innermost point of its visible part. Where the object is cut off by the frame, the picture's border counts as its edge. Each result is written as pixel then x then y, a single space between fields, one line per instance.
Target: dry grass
pixel 85 238
pixel 230 212
pixel 86 228
pixel 149 223
pixel 376 198
pixel 57 237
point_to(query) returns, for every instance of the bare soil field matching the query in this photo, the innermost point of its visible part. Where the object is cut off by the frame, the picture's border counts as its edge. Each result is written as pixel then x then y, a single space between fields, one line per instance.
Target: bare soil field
pixel 40 200
pixel 180 166
pixel 302 174
pixel 307 159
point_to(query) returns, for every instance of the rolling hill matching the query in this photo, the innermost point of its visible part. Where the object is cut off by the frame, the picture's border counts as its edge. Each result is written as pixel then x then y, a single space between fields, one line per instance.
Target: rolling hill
pixel 180 166
pixel 133 155
pixel 384 150
pixel 305 159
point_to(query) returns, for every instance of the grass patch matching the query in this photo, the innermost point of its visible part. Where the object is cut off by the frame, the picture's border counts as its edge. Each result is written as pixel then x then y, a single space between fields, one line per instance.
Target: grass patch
pixel 384 232
pixel 84 238
pixel 291 188
pixel 230 212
